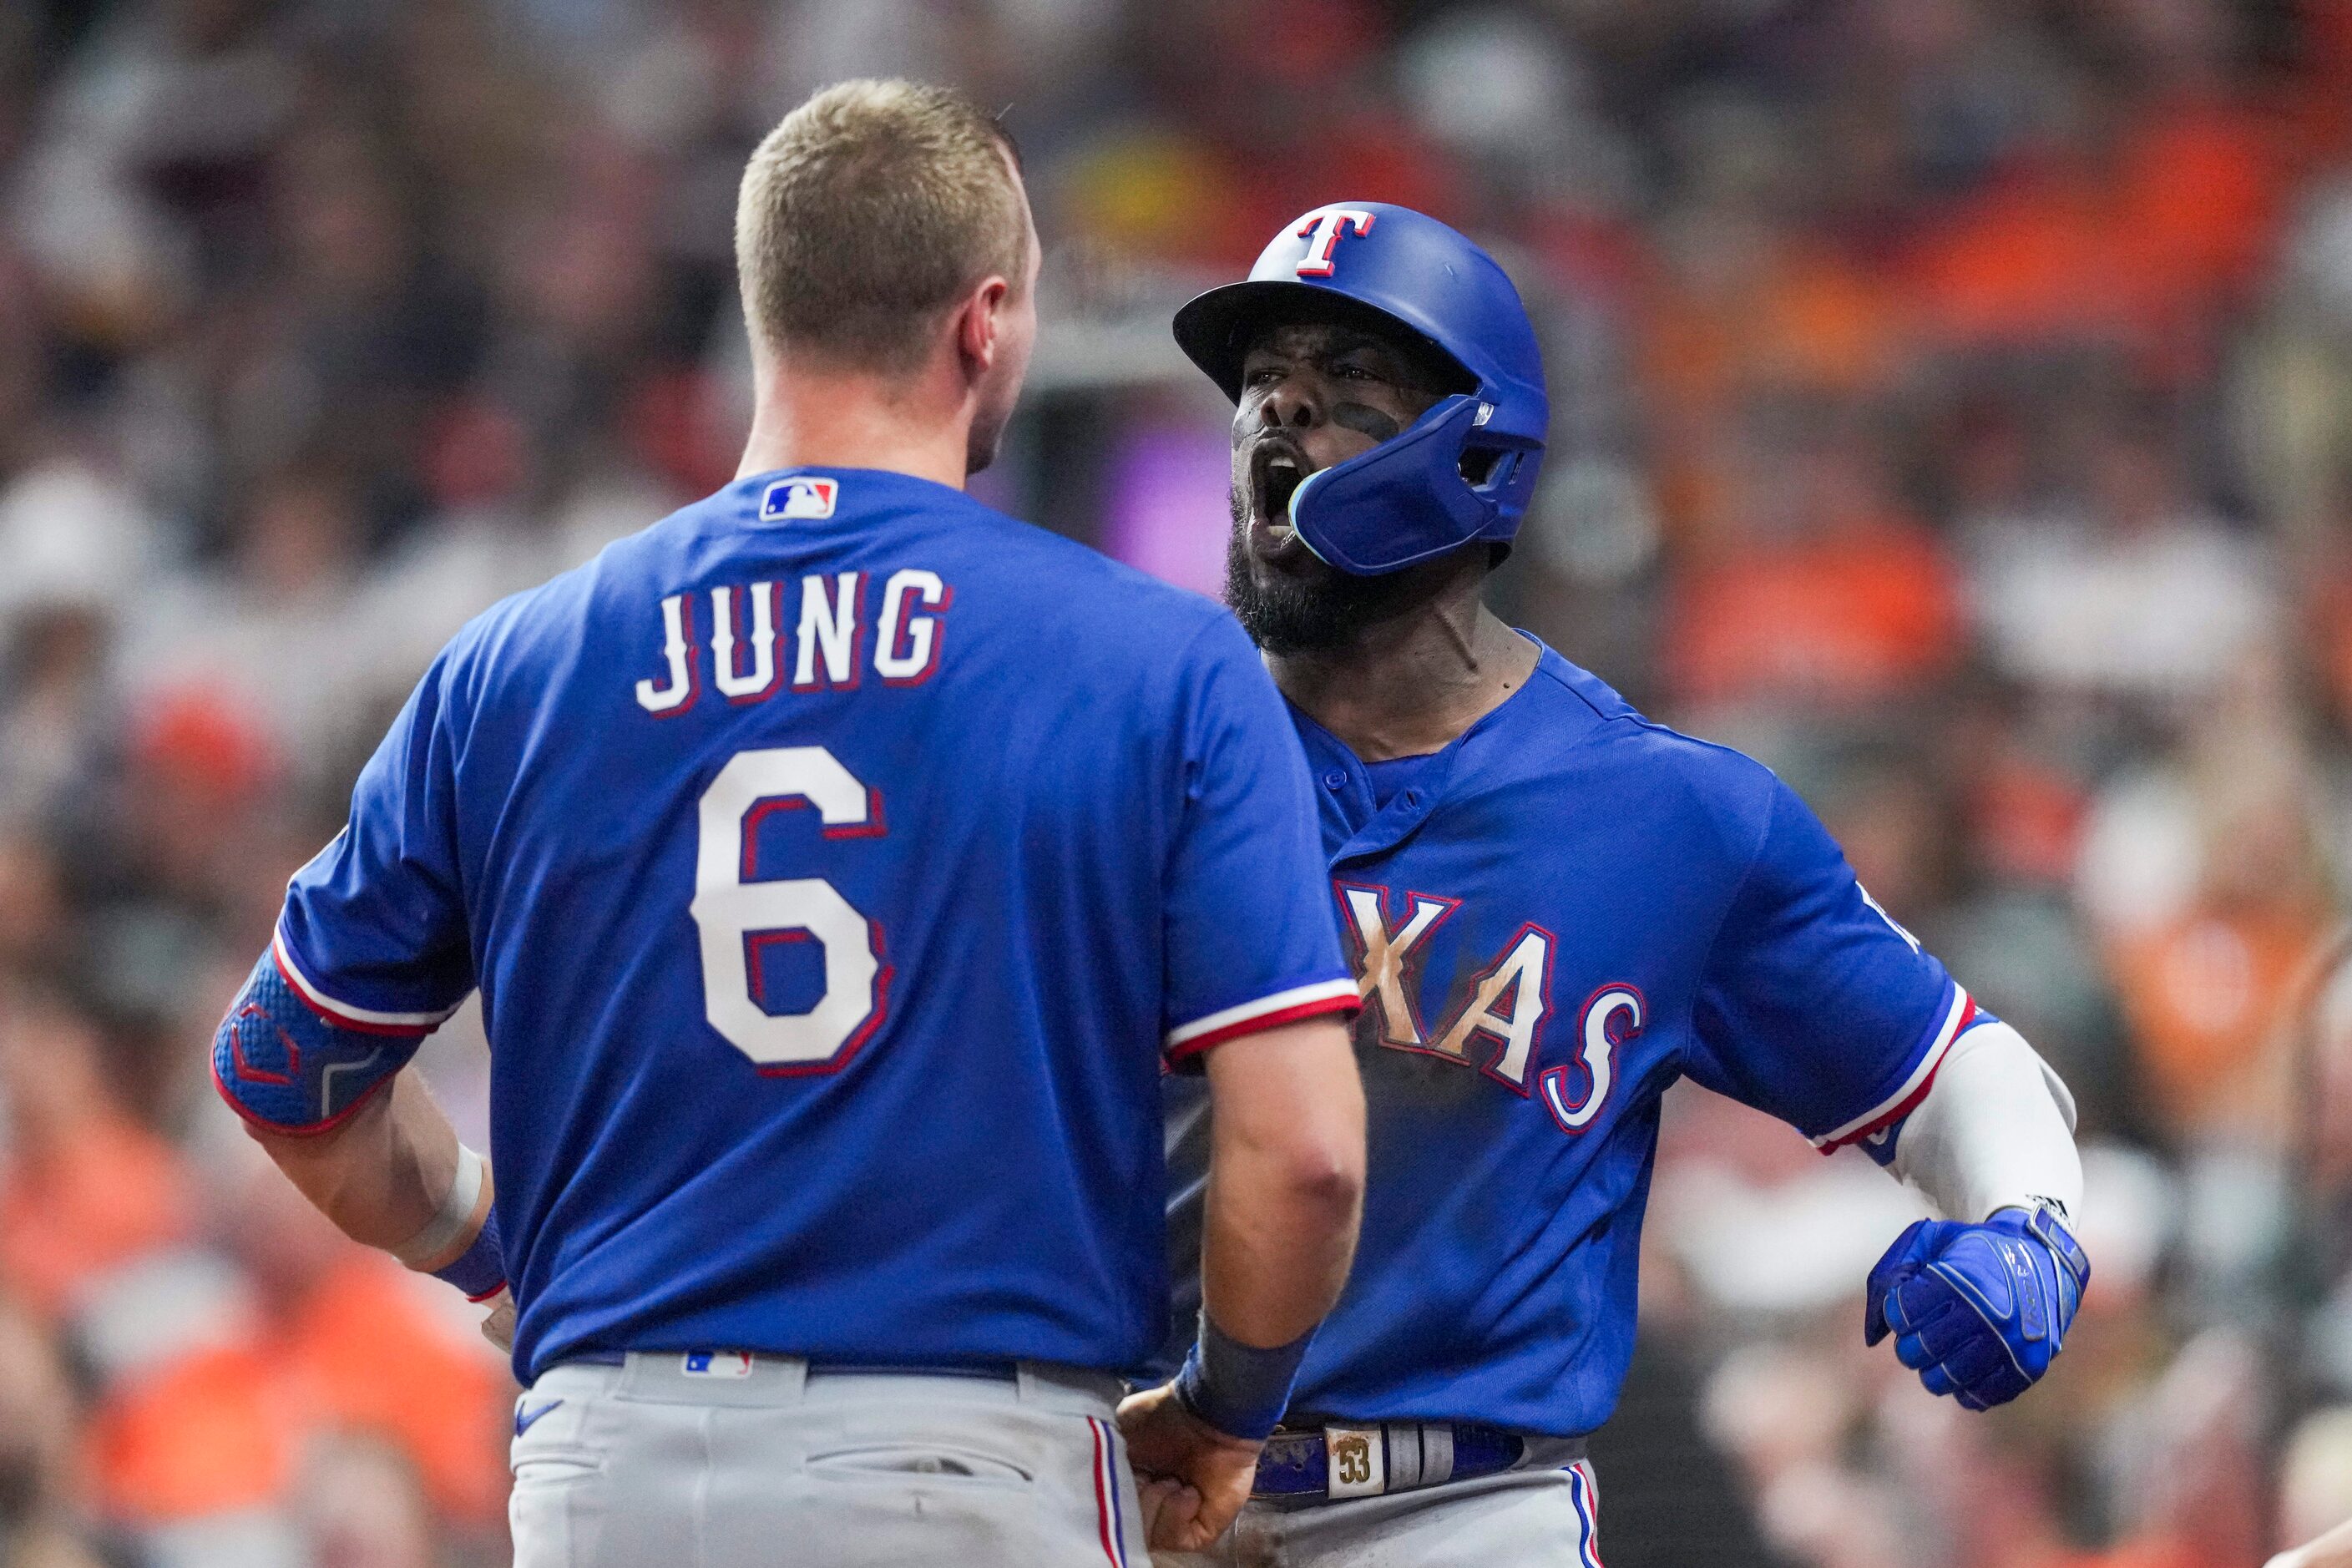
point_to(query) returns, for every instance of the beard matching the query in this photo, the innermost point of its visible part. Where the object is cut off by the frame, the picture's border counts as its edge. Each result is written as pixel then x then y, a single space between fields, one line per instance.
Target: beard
pixel 1318 611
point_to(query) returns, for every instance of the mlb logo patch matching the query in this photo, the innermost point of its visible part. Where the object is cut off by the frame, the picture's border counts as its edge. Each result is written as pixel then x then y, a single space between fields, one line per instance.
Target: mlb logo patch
pixel 719 1363
pixel 801 496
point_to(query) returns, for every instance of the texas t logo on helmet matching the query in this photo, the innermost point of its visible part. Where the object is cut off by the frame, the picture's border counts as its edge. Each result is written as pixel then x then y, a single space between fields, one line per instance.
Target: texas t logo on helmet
pixel 1322 231
pixel 1465 468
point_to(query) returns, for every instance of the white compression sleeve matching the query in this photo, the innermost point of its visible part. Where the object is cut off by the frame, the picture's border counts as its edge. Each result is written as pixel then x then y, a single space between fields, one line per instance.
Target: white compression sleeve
pixel 1996 1130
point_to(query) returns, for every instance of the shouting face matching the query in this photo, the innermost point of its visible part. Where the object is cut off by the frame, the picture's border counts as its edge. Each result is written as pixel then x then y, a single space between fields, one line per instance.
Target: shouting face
pixel 1313 395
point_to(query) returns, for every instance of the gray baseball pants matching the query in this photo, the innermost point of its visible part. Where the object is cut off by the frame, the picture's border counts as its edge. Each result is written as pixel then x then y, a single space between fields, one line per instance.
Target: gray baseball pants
pixel 1535 1516
pixel 729 1461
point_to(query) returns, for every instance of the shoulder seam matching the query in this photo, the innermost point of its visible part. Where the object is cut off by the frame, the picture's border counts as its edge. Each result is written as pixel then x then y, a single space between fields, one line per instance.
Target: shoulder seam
pixel 1634 716
pixel 1641 720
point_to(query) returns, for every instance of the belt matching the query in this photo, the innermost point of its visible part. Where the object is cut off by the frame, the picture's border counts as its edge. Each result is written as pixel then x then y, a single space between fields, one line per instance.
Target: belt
pixel 1335 1462
pixel 706 1362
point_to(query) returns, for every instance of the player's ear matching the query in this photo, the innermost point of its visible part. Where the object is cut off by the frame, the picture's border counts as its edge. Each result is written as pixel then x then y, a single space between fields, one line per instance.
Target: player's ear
pixel 980 325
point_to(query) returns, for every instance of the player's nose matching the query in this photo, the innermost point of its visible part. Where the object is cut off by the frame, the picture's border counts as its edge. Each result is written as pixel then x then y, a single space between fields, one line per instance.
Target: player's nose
pixel 1294 401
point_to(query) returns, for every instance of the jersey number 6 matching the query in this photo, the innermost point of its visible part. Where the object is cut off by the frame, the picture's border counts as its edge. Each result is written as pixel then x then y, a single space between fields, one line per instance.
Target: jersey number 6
pixel 736 914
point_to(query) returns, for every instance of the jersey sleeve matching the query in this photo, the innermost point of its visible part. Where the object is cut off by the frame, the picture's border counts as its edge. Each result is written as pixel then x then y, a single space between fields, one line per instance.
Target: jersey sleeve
pixel 1815 1006
pixel 373 934
pixel 1251 942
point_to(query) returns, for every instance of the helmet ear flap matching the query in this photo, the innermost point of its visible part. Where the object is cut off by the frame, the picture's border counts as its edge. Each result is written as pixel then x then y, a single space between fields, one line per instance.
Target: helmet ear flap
pixel 1403 501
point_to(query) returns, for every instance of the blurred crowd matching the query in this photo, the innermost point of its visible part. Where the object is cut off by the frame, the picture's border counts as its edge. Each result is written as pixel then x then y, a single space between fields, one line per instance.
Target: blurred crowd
pixel 1953 407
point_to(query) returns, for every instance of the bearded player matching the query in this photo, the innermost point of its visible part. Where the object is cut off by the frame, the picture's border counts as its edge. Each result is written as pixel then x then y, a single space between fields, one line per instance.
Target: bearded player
pixel 1557 907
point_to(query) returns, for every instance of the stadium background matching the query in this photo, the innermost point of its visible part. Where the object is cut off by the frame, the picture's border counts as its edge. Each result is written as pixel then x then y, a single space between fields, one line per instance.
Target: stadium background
pixel 1954 406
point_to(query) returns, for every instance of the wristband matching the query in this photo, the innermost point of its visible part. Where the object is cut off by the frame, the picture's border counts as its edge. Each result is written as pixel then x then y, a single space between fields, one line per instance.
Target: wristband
pixel 1239 1389
pixel 456 1213
pixel 480 1272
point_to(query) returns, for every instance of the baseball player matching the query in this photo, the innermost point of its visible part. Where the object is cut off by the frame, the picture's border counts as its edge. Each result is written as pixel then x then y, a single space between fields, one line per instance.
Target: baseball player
pixel 1556 909
pixel 839 863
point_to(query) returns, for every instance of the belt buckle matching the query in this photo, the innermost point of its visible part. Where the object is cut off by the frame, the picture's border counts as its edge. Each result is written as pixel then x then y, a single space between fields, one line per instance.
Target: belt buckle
pixel 1358 1461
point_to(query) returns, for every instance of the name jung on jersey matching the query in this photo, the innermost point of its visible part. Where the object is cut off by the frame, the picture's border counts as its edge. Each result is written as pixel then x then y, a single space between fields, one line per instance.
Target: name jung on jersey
pixel 830 646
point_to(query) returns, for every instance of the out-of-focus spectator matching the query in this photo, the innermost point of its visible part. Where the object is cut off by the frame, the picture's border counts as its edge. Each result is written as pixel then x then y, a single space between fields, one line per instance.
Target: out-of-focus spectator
pixel 2206 957
pixel 85 1188
pixel 1813 586
pixel 361 1507
pixel 270 643
pixel 40 1527
pixel 2315 1492
pixel 2137 596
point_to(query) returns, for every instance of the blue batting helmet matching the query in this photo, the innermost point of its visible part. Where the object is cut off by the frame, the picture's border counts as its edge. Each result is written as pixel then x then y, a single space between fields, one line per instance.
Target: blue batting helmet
pixel 1465 469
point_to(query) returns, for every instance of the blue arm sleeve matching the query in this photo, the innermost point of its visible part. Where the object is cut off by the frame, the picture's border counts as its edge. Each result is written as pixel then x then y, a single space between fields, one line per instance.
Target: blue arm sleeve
pixel 1816 1006
pixel 1251 937
pixel 289 1066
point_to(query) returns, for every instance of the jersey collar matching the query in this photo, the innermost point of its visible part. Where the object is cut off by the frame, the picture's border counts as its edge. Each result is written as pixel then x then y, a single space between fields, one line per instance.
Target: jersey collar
pixel 1340 775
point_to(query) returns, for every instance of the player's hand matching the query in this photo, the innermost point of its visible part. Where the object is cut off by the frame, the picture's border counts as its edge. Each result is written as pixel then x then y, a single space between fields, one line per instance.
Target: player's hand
pixel 1979 1310
pixel 500 1326
pixel 1159 1494
pixel 1213 1471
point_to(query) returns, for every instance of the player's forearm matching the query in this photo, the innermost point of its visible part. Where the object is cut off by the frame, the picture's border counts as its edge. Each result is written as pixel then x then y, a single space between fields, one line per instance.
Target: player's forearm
pixel 1995 1132
pixel 383 1176
pixel 1286 1180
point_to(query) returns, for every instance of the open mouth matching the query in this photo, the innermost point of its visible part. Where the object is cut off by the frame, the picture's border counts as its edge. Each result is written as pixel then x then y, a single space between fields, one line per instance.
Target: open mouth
pixel 1277 470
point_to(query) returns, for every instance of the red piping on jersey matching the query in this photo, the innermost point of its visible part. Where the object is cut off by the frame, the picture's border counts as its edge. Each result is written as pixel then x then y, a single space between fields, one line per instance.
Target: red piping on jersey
pixel 1909 1102
pixel 341 1020
pixel 1264 1021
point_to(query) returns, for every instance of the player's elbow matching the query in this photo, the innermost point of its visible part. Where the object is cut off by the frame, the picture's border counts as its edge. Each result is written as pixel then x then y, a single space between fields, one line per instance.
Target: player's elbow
pixel 1317 1157
pixel 1326 1177
pixel 1329 1167
pixel 1318 1165
pixel 1290 1116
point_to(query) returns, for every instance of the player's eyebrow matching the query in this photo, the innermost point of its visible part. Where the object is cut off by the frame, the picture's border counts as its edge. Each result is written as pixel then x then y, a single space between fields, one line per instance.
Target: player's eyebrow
pixel 1396 363
pixel 1333 342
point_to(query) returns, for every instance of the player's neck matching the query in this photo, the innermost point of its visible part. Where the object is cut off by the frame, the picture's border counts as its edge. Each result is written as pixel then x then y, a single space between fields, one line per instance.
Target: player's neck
pixel 811 419
pixel 1410 685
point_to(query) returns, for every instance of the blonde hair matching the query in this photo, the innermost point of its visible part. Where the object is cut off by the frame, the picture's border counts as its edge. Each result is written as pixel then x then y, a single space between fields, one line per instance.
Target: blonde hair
pixel 871 208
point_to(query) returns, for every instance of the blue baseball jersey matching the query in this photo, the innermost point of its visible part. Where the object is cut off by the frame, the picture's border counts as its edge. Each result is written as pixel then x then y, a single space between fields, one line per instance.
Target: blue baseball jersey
pixel 1554 919
pixel 840 863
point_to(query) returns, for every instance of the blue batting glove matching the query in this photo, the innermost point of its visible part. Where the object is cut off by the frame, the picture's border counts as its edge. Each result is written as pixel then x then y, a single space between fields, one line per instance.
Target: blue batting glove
pixel 1978 1310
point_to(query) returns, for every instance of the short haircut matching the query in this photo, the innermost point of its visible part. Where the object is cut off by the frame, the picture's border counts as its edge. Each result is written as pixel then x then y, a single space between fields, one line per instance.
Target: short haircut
pixel 870 210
